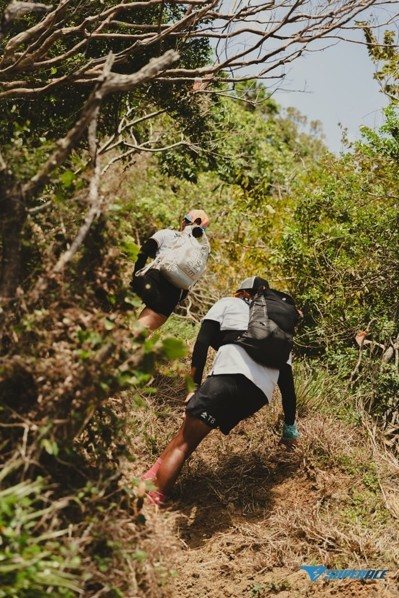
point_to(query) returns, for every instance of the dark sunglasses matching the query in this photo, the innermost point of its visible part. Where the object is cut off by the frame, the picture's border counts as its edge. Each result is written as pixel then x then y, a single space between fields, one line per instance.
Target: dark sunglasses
pixel 188 220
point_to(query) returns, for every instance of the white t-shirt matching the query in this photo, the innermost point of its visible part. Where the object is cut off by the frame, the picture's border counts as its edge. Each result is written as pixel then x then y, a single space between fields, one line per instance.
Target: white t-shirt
pixel 165 239
pixel 232 313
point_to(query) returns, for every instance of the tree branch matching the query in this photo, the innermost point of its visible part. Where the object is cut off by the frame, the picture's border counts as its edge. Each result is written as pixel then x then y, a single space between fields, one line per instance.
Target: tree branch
pixel 95 199
pixel 108 83
pixel 12 217
pixel 14 196
pixel 268 34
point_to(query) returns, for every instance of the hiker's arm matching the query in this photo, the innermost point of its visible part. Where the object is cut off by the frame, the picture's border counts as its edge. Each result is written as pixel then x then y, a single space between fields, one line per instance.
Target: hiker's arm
pixel 148 249
pixel 206 337
pixel 287 388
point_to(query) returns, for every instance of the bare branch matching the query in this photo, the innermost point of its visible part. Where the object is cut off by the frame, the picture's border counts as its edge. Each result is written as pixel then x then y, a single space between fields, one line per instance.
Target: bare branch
pixel 267 34
pixel 16 10
pixel 12 219
pixel 108 83
pixel 3 164
pixel 95 199
pixel 14 196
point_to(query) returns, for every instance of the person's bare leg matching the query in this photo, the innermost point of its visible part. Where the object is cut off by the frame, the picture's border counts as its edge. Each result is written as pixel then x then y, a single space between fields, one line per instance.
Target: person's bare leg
pixel 191 433
pixel 150 319
pixel 151 473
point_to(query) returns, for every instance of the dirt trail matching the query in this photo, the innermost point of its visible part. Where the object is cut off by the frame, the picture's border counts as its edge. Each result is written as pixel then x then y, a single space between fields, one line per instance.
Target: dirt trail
pixel 249 511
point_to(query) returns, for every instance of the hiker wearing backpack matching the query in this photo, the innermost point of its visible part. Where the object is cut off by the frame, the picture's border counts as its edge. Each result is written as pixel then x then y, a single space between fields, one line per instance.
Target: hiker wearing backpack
pixel 179 260
pixel 252 333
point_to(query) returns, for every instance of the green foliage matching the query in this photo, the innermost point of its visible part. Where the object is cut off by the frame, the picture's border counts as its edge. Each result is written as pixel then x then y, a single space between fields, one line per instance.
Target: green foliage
pixel 246 142
pixel 28 136
pixel 173 348
pixel 342 246
pixel 181 328
pixel 386 56
pixel 322 227
pixel 341 250
pixel 246 164
pixel 130 248
pixel 34 554
pixel 386 141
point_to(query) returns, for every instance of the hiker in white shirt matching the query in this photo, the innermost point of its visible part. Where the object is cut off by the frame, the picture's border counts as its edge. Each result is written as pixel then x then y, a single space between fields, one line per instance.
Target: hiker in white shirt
pixel 158 293
pixel 236 387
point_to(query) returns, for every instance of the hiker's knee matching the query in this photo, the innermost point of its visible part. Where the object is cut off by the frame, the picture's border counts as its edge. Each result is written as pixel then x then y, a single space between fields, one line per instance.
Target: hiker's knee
pixel 185 449
pixel 192 433
pixel 151 319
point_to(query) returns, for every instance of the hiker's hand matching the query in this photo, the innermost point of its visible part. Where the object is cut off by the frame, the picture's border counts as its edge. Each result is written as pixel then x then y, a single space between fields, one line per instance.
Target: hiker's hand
pixel 188 397
pixel 290 432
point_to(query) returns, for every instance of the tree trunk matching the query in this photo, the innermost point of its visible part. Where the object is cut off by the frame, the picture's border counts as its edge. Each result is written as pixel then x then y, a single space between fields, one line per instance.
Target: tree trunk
pixel 12 219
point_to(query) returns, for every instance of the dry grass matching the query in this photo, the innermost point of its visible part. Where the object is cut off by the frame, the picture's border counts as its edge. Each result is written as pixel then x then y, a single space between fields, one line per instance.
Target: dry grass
pixel 248 511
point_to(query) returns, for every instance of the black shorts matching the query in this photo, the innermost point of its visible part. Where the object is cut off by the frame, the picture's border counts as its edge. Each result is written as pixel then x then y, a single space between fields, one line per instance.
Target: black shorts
pixel 156 292
pixel 223 400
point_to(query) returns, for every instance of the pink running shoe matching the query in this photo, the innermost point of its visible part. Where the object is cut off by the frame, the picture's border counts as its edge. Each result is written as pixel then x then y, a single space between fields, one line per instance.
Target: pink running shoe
pixel 151 474
pixel 157 498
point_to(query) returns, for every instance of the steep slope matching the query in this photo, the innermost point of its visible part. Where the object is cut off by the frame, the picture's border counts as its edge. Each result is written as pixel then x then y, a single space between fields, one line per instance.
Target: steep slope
pixel 249 511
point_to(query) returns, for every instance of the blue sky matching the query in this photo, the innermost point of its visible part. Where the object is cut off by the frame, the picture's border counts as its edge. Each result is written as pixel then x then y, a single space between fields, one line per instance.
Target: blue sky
pixel 337 86
pixel 333 80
